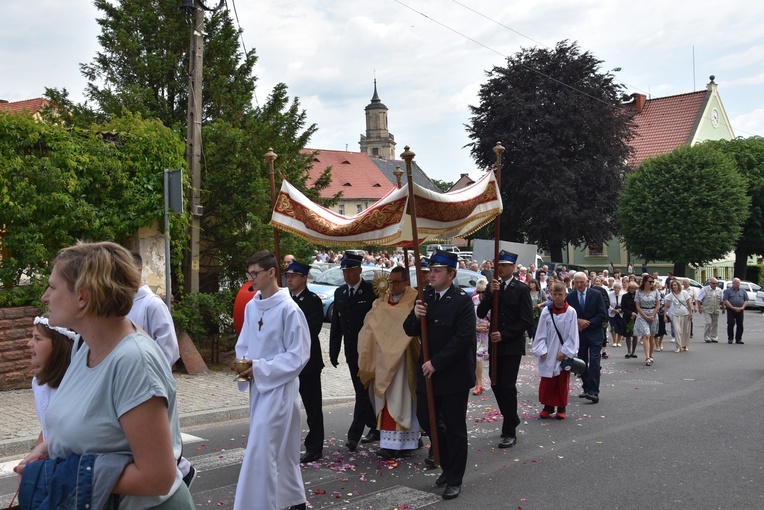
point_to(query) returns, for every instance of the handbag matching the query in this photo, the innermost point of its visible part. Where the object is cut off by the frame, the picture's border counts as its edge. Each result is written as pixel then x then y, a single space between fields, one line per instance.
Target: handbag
pixel 575 365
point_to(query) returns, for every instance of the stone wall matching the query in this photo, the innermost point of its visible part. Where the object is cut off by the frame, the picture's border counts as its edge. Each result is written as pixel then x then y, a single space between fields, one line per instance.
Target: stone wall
pixel 15 331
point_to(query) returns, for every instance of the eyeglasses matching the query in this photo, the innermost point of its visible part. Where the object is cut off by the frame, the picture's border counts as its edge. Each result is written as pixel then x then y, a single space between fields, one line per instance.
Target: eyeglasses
pixel 395 282
pixel 253 274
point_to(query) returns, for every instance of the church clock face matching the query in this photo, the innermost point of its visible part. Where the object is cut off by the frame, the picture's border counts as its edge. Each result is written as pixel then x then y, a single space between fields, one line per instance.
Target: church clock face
pixel 715 117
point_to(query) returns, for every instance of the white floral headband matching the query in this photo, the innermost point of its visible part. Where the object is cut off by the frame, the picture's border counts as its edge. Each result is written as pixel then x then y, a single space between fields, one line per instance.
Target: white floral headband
pixel 64 331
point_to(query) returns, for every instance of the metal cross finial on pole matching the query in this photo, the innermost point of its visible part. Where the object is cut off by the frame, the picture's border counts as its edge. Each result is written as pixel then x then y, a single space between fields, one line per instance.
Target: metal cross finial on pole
pixel 498 150
pixel 270 157
pixel 407 156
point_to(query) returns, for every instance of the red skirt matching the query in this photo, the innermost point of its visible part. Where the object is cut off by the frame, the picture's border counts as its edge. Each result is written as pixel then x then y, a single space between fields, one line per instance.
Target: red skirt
pixel 553 391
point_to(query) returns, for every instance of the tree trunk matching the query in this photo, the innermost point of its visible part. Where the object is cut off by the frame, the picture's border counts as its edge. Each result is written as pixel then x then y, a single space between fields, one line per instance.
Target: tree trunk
pixel 555 252
pixel 679 268
pixel 741 263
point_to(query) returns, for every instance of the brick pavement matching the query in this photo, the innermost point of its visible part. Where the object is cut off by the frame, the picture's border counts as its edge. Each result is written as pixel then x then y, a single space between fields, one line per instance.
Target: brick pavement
pixel 201 399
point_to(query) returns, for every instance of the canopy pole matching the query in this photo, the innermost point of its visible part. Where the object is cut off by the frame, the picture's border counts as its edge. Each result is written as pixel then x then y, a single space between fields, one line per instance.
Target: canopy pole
pixel 270 157
pixel 494 361
pixel 407 156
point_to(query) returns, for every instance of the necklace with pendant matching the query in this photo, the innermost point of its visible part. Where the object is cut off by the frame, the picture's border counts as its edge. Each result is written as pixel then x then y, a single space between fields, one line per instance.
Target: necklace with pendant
pixel 260 322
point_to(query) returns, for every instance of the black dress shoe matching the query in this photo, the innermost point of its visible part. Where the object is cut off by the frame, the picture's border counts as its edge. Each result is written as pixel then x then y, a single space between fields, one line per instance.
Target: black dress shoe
pixel 441 481
pixel 310 457
pixel 593 398
pixel 430 460
pixel 386 454
pixel 506 442
pixel 582 395
pixel 739 342
pixel 372 436
pixel 452 491
pixel 351 445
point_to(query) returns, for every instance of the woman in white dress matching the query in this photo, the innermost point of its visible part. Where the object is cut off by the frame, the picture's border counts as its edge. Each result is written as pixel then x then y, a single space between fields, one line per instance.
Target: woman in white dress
pixel 647 302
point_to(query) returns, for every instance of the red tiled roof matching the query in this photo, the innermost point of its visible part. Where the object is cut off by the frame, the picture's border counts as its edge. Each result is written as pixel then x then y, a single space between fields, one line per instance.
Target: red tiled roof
pixel 31 105
pixel 353 173
pixel 665 123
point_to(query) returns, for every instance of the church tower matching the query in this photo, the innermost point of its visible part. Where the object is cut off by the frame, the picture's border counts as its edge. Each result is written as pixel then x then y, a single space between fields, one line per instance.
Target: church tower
pixel 378 142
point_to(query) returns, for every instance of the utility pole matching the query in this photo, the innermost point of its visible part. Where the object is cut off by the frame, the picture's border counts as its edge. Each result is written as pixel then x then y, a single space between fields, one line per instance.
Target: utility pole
pixel 194 140
pixel 195 9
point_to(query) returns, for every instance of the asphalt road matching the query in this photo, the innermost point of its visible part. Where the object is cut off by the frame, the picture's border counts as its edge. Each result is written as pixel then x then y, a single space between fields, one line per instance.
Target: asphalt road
pixel 684 433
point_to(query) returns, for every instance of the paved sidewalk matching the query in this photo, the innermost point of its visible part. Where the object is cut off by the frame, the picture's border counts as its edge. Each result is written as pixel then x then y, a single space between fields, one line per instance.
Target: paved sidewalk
pixel 201 399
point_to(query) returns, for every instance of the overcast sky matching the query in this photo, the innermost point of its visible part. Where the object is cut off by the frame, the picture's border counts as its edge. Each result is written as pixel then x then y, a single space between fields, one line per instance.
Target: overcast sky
pixel 429 57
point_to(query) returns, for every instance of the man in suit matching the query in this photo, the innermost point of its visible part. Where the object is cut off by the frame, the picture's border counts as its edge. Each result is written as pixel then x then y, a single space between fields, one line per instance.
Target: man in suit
pixel 310 378
pixel 450 317
pixel 352 301
pixel 592 313
pixel 515 318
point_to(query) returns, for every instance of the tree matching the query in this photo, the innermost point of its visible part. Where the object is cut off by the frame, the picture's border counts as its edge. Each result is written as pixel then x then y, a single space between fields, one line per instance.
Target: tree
pixel 237 197
pixel 566 141
pixel 672 209
pixel 443 186
pixel 143 65
pixel 59 185
pixel 748 154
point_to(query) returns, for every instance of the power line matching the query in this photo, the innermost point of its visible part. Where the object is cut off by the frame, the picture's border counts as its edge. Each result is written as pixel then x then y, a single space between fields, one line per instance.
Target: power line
pixel 241 37
pixel 548 77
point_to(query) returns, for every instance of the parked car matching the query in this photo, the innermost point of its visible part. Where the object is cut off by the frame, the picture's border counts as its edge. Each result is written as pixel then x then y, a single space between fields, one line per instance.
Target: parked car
pixel 750 288
pixel 444 247
pixel 465 279
pixel 328 281
pixel 760 300
pixel 316 268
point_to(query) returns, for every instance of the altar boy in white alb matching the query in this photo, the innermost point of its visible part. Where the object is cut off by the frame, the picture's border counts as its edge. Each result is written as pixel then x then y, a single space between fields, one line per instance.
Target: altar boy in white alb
pixel 276 340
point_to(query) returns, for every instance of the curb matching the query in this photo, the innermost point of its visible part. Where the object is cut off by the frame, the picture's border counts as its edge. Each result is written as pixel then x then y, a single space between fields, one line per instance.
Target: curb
pixel 15 447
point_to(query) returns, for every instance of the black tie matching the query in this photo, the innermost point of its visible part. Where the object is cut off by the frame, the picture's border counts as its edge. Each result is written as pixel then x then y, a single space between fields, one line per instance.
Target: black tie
pixel 503 286
pixel 437 297
pixel 350 292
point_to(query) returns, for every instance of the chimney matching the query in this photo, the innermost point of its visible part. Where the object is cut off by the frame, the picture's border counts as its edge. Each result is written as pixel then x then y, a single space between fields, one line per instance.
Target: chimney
pixel 639 101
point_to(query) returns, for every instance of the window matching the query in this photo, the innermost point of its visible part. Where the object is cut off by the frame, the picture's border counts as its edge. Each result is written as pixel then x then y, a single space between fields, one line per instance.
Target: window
pixel 596 250
pixel 375 151
pixel 341 208
pixel 358 208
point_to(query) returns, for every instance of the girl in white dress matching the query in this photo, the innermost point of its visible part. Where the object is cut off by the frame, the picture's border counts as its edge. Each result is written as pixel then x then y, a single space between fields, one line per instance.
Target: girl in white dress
pixel 50 349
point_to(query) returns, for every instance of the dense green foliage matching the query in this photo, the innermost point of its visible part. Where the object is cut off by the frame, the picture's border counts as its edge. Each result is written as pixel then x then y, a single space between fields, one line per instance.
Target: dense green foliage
pixel 59 185
pixel 142 67
pixel 748 154
pixel 207 318
pixel 566 139
pixel 143 63
pixel 678 206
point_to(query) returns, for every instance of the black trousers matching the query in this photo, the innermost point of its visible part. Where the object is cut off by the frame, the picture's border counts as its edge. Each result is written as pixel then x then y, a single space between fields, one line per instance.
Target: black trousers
pixel 451 415
pixel 363 411
pixel 505 390
pixel 310 392
pixel 734 319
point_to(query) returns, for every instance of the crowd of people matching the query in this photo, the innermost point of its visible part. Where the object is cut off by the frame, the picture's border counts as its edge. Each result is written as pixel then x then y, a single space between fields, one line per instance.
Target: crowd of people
pixel 106 399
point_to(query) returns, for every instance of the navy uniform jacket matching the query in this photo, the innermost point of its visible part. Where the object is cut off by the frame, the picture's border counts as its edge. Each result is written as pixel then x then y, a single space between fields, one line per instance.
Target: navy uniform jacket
pixel 348 318
pixel 594 311
pixel 451 337
pixel 313 309
pixel 515 316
